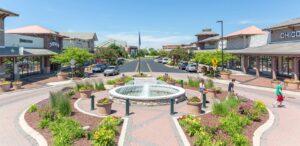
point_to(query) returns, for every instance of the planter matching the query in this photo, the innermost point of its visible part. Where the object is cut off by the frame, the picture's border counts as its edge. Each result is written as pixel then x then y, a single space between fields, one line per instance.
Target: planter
pixel 292 85
pixel 62 76
pixel 171 82
pixel 120 84
pixel 275 84
pixel 4 87
pixel 17 85
pixel 85 93
pixel 194 107
pixel 225 76
pixel 104 109
pixel 211 93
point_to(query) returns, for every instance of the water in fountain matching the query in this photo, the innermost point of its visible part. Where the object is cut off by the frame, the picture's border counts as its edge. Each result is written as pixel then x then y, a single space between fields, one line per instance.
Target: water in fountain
pixel 146 90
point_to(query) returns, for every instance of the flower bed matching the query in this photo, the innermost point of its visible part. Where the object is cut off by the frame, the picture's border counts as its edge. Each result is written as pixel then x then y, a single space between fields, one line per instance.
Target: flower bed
pixel 65 126
pixel 120 81
pixel 232 122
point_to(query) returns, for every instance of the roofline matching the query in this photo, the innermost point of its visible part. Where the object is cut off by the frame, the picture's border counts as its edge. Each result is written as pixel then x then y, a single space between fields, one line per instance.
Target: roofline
pixel 9 13
pixel 280 27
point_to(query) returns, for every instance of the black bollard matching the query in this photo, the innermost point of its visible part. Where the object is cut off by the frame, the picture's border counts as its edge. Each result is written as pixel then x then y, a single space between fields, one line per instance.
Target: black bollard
pixel 204 100
pixel 172 106
pixel 93 102
pixel 181 82
pixel 127 107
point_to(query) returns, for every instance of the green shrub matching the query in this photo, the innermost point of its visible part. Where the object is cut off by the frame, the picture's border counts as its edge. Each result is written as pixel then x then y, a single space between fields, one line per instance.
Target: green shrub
pixel 46 112
pixel 193 83
pixel 240 140
pixel 203 138
pixel 209 84
pixel 191 124
pixel 260 106
pixel 220 109
pixel 61 102
pixel 99 86
pixel 65 131
pixel 233 123
pixel 194 99
pixel 111 82
pixel 232 102
pixel 103 101
pixel 44 123
pixel 106 132
pixel 33 108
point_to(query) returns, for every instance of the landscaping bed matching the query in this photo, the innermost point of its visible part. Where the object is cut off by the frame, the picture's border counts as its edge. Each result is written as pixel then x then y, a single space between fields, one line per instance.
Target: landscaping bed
pixel 232 122
pixel 59 127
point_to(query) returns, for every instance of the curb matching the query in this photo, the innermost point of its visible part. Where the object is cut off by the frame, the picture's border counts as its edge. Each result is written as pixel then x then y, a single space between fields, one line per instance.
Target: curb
pixel 30 131
pixel 263 128
pixel 124 126
pixel 180 132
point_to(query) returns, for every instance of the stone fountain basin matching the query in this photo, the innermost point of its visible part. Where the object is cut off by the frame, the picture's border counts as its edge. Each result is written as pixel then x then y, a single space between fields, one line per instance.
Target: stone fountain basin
pixel 156 92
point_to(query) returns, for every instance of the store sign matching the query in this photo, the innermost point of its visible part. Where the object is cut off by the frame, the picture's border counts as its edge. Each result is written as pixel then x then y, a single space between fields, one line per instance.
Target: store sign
pixel 292 34
pixel 53 45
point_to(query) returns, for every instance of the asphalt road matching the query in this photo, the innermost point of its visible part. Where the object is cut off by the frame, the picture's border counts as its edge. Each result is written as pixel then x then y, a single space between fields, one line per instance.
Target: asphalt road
pixel 148 65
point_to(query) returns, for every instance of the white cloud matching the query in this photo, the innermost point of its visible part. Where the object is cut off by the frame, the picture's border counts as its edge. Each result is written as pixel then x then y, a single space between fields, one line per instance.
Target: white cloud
pixel 249 21
pixel 150 40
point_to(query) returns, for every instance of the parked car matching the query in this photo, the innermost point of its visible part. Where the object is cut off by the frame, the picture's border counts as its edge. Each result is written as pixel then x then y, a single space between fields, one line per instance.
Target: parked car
pixel 120 61
pixel 165 60
pixel 191 67
pixel 182 65
pixel 159 60
pixel 156 59
pixel 99 68
pixel 111 70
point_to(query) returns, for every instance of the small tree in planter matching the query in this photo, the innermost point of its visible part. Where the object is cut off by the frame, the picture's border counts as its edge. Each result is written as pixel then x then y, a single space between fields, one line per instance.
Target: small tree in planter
pixel 210 88
pixel 194 105
pixel 104 106
pixel 17 84
pixel 292 84
pixel 85 92
pixel 5 85
pixel 62 75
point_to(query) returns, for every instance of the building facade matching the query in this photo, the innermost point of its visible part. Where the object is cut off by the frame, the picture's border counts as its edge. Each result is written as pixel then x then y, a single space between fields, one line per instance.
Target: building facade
pixel 207 39
pixel 80 39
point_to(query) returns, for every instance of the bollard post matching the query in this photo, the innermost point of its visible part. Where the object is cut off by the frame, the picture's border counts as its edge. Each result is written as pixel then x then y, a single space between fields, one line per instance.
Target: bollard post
pixel 171 106
pixel 127 106
pixel 93 102
pixel 181 82
pixel 204 100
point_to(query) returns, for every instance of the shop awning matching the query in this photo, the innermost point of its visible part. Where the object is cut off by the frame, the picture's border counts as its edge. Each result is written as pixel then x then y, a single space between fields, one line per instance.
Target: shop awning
pixel 291 48
pixel 15 51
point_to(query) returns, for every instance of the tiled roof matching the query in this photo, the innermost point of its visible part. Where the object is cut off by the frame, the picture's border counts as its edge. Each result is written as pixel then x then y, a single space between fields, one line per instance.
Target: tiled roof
pixel 214 38
pixel 291 48
pixel 15 51
pixel 252 30
pixel 7 13
pixel 285 23
pixel 32 29
pixel 81 35
pixel 206 32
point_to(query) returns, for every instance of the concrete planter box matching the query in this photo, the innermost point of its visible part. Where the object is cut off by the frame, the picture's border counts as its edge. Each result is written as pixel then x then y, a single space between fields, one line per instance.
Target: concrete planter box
pixel 171 82
pixel 62 76
pixel 292 85
pixel 194 107
pixel 104 109
pixel 211 93
pixel 85 93
pixel 225 76
pixel 119 84
pixel 17 85
pixel 275 83
pixel 4 87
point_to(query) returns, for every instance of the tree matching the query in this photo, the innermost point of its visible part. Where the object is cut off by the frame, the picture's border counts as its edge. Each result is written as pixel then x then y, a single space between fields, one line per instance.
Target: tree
pixel 179 54
pixel 143 52
pixel 80 55
pixel 153 52
pixel 121 52
pixel 206 57
pixel 163 53
pixel 108 54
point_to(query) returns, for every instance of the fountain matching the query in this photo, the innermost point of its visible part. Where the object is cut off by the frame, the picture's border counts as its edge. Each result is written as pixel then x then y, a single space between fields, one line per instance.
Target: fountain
pixel 147 91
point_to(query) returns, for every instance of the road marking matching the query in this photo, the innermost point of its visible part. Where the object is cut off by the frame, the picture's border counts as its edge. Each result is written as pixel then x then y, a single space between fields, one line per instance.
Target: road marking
pixel 137 66
pixel 148 66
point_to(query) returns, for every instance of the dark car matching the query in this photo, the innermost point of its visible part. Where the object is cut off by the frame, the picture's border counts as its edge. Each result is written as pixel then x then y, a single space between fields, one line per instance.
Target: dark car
pixel 120 61
pixel 99 68
pixel 182 65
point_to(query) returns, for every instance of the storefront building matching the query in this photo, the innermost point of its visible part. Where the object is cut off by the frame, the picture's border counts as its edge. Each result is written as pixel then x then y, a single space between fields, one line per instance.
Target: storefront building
pixel 279 57
pixel 80 39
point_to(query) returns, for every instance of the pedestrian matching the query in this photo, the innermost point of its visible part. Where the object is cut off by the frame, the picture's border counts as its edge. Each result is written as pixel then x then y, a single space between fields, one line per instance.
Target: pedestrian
pixel 279 95
pixel 231 88
pixel 202 90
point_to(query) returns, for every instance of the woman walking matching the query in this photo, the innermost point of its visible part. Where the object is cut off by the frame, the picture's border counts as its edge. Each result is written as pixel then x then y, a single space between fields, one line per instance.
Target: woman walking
pixel 203 92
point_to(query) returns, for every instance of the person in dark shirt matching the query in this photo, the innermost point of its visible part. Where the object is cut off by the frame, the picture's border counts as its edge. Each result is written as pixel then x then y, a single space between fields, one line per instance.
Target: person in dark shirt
pixel 231 88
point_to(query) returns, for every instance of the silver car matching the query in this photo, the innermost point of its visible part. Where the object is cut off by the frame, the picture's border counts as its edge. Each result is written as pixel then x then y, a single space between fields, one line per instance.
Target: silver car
pixel 191 67
pixel 111 70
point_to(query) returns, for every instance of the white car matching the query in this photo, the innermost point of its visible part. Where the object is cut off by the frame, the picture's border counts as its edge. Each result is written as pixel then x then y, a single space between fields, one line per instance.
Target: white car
pixel 191 67
pixel 165 60
pixel 111 70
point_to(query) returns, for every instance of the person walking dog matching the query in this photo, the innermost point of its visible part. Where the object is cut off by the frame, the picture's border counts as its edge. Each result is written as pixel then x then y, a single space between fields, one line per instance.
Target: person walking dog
pixel 279 95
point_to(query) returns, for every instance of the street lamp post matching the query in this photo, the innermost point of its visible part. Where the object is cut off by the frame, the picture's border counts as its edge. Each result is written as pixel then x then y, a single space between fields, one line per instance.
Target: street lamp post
pixel 222 39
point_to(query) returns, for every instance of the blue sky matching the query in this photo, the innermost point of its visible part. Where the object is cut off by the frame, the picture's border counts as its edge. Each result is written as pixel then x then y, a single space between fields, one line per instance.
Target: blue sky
pixel 159 21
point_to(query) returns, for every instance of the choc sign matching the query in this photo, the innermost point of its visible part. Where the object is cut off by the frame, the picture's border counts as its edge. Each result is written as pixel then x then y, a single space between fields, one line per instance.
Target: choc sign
pixel 292 34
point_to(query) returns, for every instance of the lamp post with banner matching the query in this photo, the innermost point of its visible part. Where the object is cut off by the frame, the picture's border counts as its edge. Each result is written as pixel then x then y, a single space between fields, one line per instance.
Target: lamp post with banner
pixel 72 62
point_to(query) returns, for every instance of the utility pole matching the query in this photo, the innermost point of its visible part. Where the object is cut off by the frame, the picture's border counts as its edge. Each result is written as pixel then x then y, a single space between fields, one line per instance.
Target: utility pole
pixel 139 53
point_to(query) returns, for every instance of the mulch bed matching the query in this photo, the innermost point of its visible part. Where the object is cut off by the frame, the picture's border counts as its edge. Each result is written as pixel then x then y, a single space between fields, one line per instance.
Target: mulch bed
pixel 85 120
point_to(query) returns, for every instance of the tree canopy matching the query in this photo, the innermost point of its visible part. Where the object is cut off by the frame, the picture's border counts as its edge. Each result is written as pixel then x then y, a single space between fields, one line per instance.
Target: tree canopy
pixel 108 54
pixel 80 55
pixel 163 53
pixel 206 57
pixel 179 54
